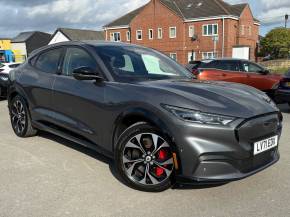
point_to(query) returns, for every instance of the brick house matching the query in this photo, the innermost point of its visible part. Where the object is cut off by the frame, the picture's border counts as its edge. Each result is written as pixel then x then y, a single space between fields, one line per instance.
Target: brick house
pixel 189 29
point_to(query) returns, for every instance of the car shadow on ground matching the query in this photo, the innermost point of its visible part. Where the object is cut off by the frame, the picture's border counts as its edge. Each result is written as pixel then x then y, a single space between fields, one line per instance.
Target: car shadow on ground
pixel 110 161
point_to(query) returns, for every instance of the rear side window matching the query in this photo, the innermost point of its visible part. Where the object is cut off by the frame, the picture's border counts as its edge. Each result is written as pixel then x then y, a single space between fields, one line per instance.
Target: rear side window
pixel 76 58
pixel 210 65
pixel 229 65
pixel 48 61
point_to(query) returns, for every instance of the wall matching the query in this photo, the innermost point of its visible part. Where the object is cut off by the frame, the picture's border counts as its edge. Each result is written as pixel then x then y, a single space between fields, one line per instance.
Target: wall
pixel 248 37
pixel 20 48
pixel 155 15
pixel 5 44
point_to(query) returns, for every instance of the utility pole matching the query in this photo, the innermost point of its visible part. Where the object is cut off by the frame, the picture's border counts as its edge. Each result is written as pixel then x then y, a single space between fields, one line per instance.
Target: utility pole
pixel 286 20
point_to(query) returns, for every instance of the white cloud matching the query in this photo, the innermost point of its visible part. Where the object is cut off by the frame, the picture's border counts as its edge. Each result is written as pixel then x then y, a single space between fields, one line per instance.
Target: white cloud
pixel 48 15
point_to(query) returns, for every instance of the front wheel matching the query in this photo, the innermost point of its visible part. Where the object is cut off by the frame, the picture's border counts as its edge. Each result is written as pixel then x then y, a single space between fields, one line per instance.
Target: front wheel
pixel 20 118
pixel 144 158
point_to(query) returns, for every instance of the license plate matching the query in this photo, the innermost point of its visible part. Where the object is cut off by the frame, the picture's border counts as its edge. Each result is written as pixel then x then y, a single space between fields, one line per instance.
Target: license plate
pixel 265 145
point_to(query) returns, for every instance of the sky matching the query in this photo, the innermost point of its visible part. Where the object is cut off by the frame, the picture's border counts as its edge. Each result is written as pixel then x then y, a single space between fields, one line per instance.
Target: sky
pixel 47 15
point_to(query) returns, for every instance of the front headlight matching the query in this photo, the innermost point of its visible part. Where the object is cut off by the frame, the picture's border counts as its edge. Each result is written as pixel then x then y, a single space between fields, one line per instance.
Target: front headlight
pixel 199 117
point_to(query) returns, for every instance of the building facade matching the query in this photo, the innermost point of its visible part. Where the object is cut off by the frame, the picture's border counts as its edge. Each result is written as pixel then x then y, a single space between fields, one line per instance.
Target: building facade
pixel 190 29
pixel 26 42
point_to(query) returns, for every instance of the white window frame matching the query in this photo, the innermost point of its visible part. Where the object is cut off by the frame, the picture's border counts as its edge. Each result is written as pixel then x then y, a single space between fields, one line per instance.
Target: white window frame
pixel 189 56
pixel 191 31
pixel 250 30
pixel 160 33
pixel 151 37
pixel 173 54
pixel 128 36
pixel 112 36
pixel 207 25
pixel 242 30
pixel 206 55
pixel 172 36
pixel 139 31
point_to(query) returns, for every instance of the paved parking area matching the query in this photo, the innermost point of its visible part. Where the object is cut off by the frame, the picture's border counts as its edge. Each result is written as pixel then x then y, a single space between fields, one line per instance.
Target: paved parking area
pixel 48 176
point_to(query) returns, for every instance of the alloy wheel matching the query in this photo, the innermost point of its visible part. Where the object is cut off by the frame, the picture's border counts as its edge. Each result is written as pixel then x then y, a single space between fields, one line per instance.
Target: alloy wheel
pixel 18 116
pixel 147 159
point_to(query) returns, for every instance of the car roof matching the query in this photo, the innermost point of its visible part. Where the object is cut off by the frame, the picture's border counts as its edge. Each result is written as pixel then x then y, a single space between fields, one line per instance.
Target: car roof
pixel 94 43
pixel 224 59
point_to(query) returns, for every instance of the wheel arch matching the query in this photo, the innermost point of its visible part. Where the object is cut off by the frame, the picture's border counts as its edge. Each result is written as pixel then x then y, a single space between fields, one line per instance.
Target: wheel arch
pixel 133 116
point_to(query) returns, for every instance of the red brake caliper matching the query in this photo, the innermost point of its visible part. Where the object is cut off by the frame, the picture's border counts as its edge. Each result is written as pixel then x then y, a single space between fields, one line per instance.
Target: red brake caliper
pixel 161 156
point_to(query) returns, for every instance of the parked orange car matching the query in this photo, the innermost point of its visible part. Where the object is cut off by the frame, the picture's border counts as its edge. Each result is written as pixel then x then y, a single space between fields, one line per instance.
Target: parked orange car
pixel 239 71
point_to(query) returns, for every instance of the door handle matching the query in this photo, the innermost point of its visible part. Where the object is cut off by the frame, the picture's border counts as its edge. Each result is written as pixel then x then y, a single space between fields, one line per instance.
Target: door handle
pixel 224 74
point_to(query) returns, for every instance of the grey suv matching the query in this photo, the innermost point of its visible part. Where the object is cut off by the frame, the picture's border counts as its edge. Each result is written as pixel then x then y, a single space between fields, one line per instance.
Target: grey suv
pixel 147 112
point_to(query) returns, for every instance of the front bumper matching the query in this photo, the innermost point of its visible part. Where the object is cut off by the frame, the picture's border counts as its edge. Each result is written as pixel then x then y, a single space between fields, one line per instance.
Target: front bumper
pixel 209 154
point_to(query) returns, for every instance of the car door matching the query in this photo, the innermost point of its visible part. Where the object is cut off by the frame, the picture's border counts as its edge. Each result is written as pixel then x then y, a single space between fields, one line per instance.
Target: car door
pixel 226 70
pixel 255 76
pixel 38 78
pixel 78 105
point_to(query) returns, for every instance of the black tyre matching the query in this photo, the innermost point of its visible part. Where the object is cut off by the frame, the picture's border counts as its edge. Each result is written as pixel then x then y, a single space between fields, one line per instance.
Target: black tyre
pixel 20 118
pixel 144 159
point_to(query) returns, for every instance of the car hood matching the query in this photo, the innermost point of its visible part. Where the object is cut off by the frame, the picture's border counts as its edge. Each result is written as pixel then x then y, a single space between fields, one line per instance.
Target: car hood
pixel 216 97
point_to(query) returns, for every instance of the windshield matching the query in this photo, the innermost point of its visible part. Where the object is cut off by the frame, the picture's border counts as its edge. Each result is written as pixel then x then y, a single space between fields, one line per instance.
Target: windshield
pixel 128 62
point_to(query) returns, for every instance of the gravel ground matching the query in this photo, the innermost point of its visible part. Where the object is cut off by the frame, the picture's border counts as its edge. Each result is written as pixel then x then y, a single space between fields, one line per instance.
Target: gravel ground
pixel 48 176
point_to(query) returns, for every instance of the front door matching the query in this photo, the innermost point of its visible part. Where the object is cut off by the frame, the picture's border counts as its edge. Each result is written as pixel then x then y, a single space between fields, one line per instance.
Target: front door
pixel 255 76
pixel 79 104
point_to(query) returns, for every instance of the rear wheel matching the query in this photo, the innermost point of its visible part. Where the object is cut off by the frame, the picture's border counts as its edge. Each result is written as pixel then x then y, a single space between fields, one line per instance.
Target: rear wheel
pixel 144 158
pixel 20 118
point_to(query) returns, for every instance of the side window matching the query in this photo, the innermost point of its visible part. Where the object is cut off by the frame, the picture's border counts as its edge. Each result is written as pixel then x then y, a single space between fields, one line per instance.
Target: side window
pixel 251 67
pixel 76 58
pixel 229 66
pixel 48 61
pixel 211 65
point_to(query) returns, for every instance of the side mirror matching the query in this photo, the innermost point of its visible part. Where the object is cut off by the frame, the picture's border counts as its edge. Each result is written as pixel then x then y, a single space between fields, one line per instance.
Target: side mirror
pixel 86 73
pixel 265 72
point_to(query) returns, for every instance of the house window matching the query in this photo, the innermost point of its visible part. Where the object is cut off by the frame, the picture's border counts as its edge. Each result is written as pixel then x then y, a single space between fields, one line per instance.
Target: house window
pixel 191 31
pixel 150 34
pixel 250 31
pixel 128 35
pixel 139 35
pixel 173 56
pixel 172 32
pixel 210 30
pixel 191 56
pixel 115 36
pixel 208 55
pixel 160 33
pixel 242 29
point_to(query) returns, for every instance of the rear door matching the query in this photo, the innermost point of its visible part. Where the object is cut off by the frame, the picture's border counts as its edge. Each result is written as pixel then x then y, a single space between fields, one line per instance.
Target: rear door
pixel 78 104
pixel 38 78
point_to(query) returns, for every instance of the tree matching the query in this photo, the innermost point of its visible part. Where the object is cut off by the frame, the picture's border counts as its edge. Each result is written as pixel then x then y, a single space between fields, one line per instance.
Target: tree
pixel 276 43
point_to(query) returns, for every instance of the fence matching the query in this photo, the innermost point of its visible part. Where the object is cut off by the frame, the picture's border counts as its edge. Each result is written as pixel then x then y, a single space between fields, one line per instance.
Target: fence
pixel 277 64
